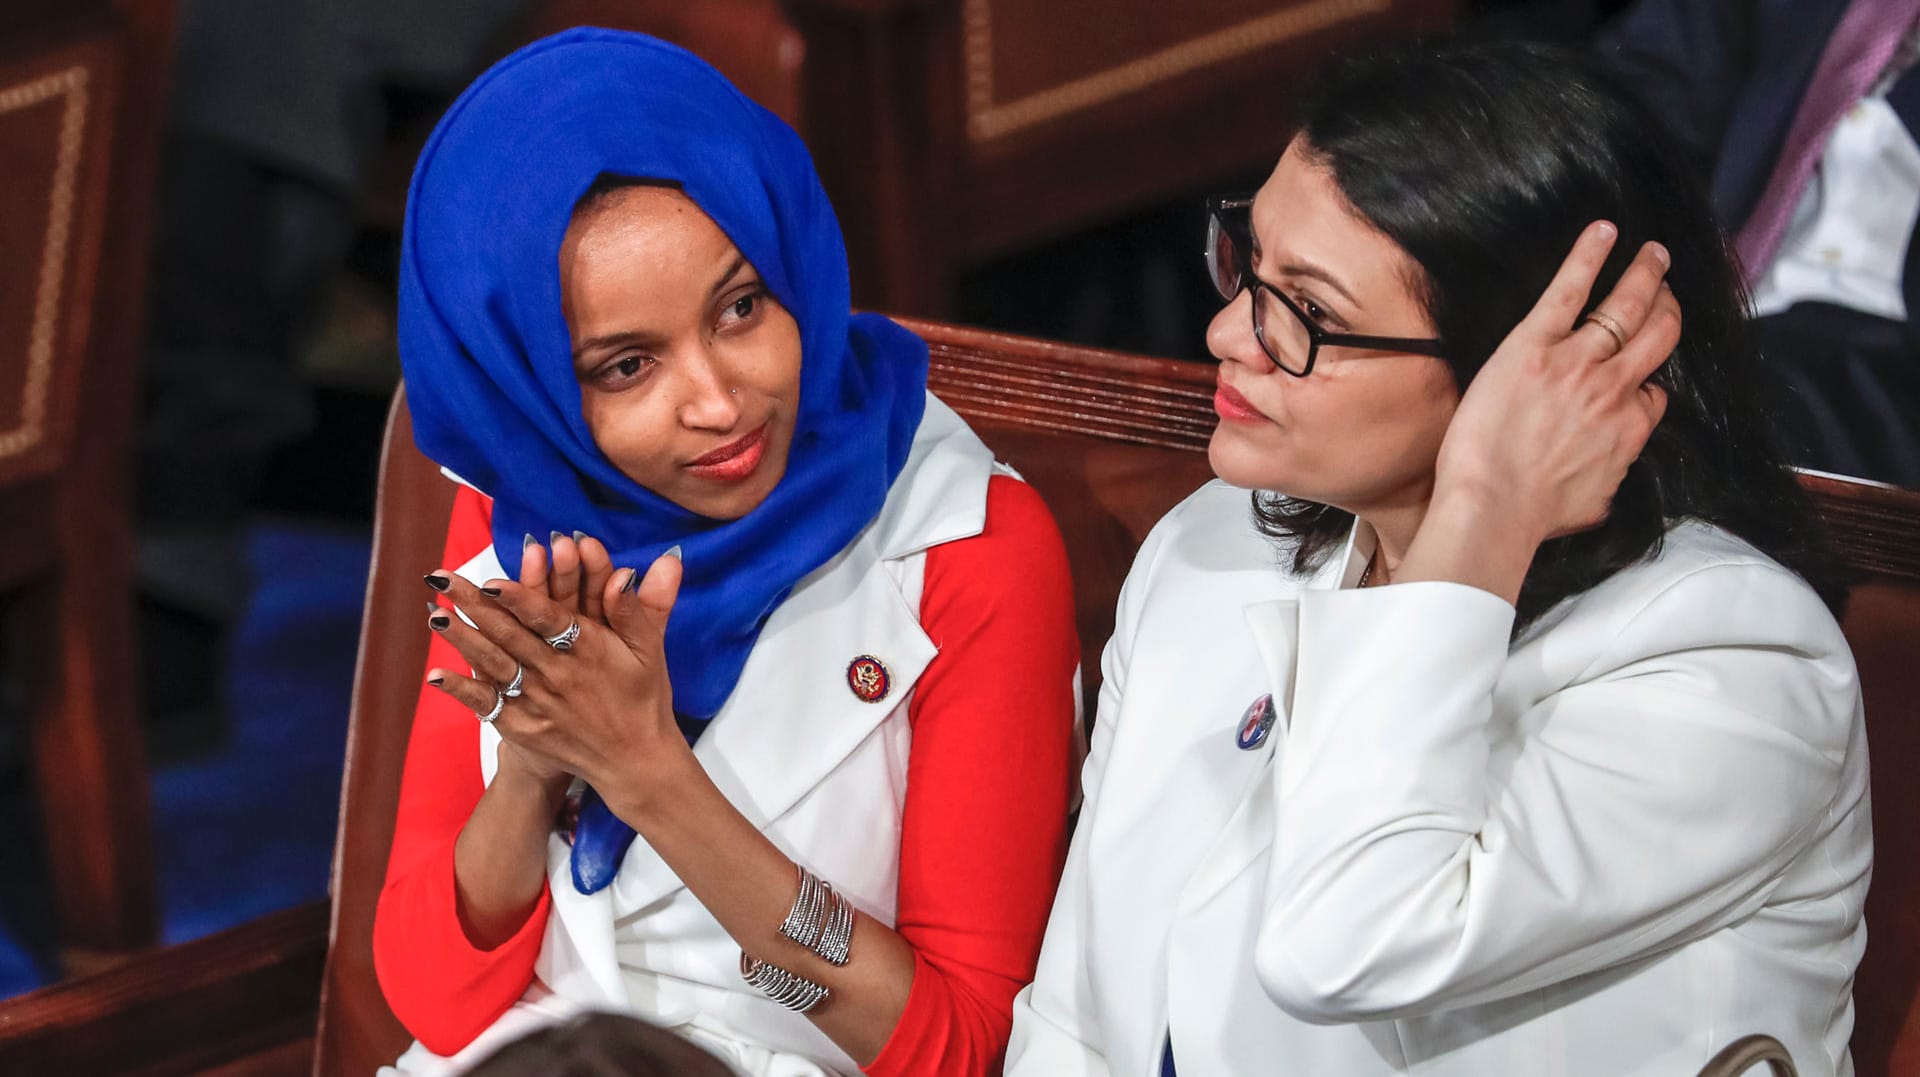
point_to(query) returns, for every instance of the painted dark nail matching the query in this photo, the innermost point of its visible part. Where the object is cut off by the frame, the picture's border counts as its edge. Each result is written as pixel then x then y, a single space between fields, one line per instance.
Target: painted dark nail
pixel 436 680
pixel 579 536
pixel 554 537
pixel 438 582
pixel 440 622
pixel 490 592
pixel 529 542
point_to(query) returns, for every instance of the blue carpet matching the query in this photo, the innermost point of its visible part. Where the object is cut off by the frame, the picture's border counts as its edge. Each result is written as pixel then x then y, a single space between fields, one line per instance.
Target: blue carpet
pixel 246 829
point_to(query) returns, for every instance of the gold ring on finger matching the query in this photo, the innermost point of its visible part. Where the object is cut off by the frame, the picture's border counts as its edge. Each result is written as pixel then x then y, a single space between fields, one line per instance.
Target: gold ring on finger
pixel 1613 327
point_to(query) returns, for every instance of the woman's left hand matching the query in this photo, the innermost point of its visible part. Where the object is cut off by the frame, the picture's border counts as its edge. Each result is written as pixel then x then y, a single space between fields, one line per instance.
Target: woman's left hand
pixel 1550 423
pixel 1546 431
pixel 604 707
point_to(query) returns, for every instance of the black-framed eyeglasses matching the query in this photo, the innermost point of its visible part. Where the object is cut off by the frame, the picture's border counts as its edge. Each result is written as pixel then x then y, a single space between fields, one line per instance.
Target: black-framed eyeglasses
pixel 1293 340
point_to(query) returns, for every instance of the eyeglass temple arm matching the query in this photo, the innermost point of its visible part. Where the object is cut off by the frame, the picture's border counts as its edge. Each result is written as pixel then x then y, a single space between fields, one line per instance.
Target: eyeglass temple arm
pixel 1391 344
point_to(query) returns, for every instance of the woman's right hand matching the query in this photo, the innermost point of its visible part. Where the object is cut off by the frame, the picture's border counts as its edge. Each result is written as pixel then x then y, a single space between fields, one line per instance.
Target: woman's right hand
pixel 572 572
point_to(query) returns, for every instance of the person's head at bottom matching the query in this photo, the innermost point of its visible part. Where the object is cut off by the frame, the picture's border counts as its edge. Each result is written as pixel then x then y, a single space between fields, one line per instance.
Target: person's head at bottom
pixel 600 1045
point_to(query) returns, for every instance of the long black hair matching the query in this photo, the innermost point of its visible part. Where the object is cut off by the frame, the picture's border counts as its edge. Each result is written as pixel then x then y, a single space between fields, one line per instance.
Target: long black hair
pixel 1483 161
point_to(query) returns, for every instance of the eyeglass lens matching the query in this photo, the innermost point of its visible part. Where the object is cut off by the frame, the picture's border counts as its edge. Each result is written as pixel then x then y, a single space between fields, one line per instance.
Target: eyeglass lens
pixel 1223 256
pixel 1282 331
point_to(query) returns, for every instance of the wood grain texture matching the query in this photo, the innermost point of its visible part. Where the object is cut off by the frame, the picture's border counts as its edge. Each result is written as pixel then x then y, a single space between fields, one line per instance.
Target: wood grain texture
pixel 249 991
pixel 1874 526
pixel 358 1031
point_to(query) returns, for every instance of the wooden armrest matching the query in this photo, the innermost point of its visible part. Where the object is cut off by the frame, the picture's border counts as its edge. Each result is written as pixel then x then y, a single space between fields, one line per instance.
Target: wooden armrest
pixel 181 1009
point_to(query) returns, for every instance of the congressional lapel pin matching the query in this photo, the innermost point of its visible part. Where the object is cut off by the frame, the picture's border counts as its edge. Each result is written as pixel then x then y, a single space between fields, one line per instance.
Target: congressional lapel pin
pixel 869 679
pixel 1256 724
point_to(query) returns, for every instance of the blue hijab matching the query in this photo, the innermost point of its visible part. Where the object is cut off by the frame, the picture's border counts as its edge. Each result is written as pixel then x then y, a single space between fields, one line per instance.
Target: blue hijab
pixel 489 365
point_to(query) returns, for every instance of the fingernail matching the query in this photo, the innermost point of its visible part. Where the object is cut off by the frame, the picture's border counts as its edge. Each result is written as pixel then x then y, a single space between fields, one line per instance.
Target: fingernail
pixel 579 536
pixel 1608 229
pixel 631 583
pixel 438 582
pixel 440 622
pixel 436 680
pixel 1660 254
pixel 674 553
pixel 553 537
pixel 490 592
pixel 529 542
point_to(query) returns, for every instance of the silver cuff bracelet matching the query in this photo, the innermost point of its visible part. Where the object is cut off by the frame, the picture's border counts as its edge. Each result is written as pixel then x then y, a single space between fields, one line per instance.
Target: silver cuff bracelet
pixel 794 992
pixel 820 920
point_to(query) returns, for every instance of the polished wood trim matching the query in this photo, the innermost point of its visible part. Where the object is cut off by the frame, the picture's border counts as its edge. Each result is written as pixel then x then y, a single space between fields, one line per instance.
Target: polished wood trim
pixel 358 1031
pixel 1000 378
pixel 69 88
pixel 988 119
pixel 239 993
pixel 1874 526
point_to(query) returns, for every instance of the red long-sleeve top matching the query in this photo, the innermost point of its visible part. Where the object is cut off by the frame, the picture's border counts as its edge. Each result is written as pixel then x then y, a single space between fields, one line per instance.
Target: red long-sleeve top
pixel 983 830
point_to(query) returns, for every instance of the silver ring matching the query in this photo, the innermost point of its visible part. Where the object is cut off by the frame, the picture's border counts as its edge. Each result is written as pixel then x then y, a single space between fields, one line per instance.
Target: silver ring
pixel 499 704
pixel 1614 329
pixel 564 641
pixel 512 690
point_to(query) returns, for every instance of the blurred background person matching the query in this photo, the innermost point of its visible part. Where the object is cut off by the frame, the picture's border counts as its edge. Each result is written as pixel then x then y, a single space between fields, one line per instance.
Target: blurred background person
pixel 1802 115
pixel 277 112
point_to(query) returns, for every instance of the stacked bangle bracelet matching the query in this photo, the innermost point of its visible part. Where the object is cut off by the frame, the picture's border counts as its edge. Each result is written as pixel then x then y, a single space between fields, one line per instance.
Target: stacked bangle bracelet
pixel 794 992
pixel 821 920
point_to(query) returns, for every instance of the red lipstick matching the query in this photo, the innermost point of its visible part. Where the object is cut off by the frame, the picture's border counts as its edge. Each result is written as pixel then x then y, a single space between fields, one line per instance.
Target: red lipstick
pixel 1233 407
pixel 735 461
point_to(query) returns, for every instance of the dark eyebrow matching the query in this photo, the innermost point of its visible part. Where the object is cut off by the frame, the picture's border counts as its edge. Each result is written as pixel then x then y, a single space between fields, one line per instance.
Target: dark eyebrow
pixel 608 341
pixel 733 270
pixel 1314 272
pixel 1297 269
pixel 633 336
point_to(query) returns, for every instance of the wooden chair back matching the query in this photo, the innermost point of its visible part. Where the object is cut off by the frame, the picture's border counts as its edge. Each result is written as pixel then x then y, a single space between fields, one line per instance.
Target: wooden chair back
pixel 1112 442
pixel 81 92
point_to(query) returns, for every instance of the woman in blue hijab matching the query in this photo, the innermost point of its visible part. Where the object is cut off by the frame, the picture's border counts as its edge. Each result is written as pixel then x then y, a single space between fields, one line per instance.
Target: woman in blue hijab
pixel 773 667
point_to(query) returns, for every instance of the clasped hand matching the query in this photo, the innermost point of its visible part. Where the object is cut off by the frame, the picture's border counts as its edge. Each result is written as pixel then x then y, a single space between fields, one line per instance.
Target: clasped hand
pixel 602 709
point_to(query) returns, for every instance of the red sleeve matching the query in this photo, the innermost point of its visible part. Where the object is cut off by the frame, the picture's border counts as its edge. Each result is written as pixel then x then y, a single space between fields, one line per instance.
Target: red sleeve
pixel 985 826
pixel 440 986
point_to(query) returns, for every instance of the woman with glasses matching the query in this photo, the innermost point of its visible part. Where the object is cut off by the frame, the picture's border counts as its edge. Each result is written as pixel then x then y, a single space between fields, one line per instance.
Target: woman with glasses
pixel 1505 726
pixel 752 696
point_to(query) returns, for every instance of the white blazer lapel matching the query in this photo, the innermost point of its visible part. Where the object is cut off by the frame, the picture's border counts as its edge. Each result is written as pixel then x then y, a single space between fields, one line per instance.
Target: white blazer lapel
pixel 577 958
pixel 1273 626
pixel 794 715
pixel 1249 830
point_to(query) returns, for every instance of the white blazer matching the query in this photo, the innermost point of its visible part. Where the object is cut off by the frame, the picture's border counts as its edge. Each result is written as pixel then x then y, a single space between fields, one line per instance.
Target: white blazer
pixel 819 771
pixel 1609 848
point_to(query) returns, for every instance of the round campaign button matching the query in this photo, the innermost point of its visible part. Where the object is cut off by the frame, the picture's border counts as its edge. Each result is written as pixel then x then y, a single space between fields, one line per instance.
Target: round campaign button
pixel 1255 724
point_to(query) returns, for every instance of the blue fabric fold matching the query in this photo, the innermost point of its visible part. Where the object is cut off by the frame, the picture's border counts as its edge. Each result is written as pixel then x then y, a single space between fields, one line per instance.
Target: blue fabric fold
pixel 488 359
